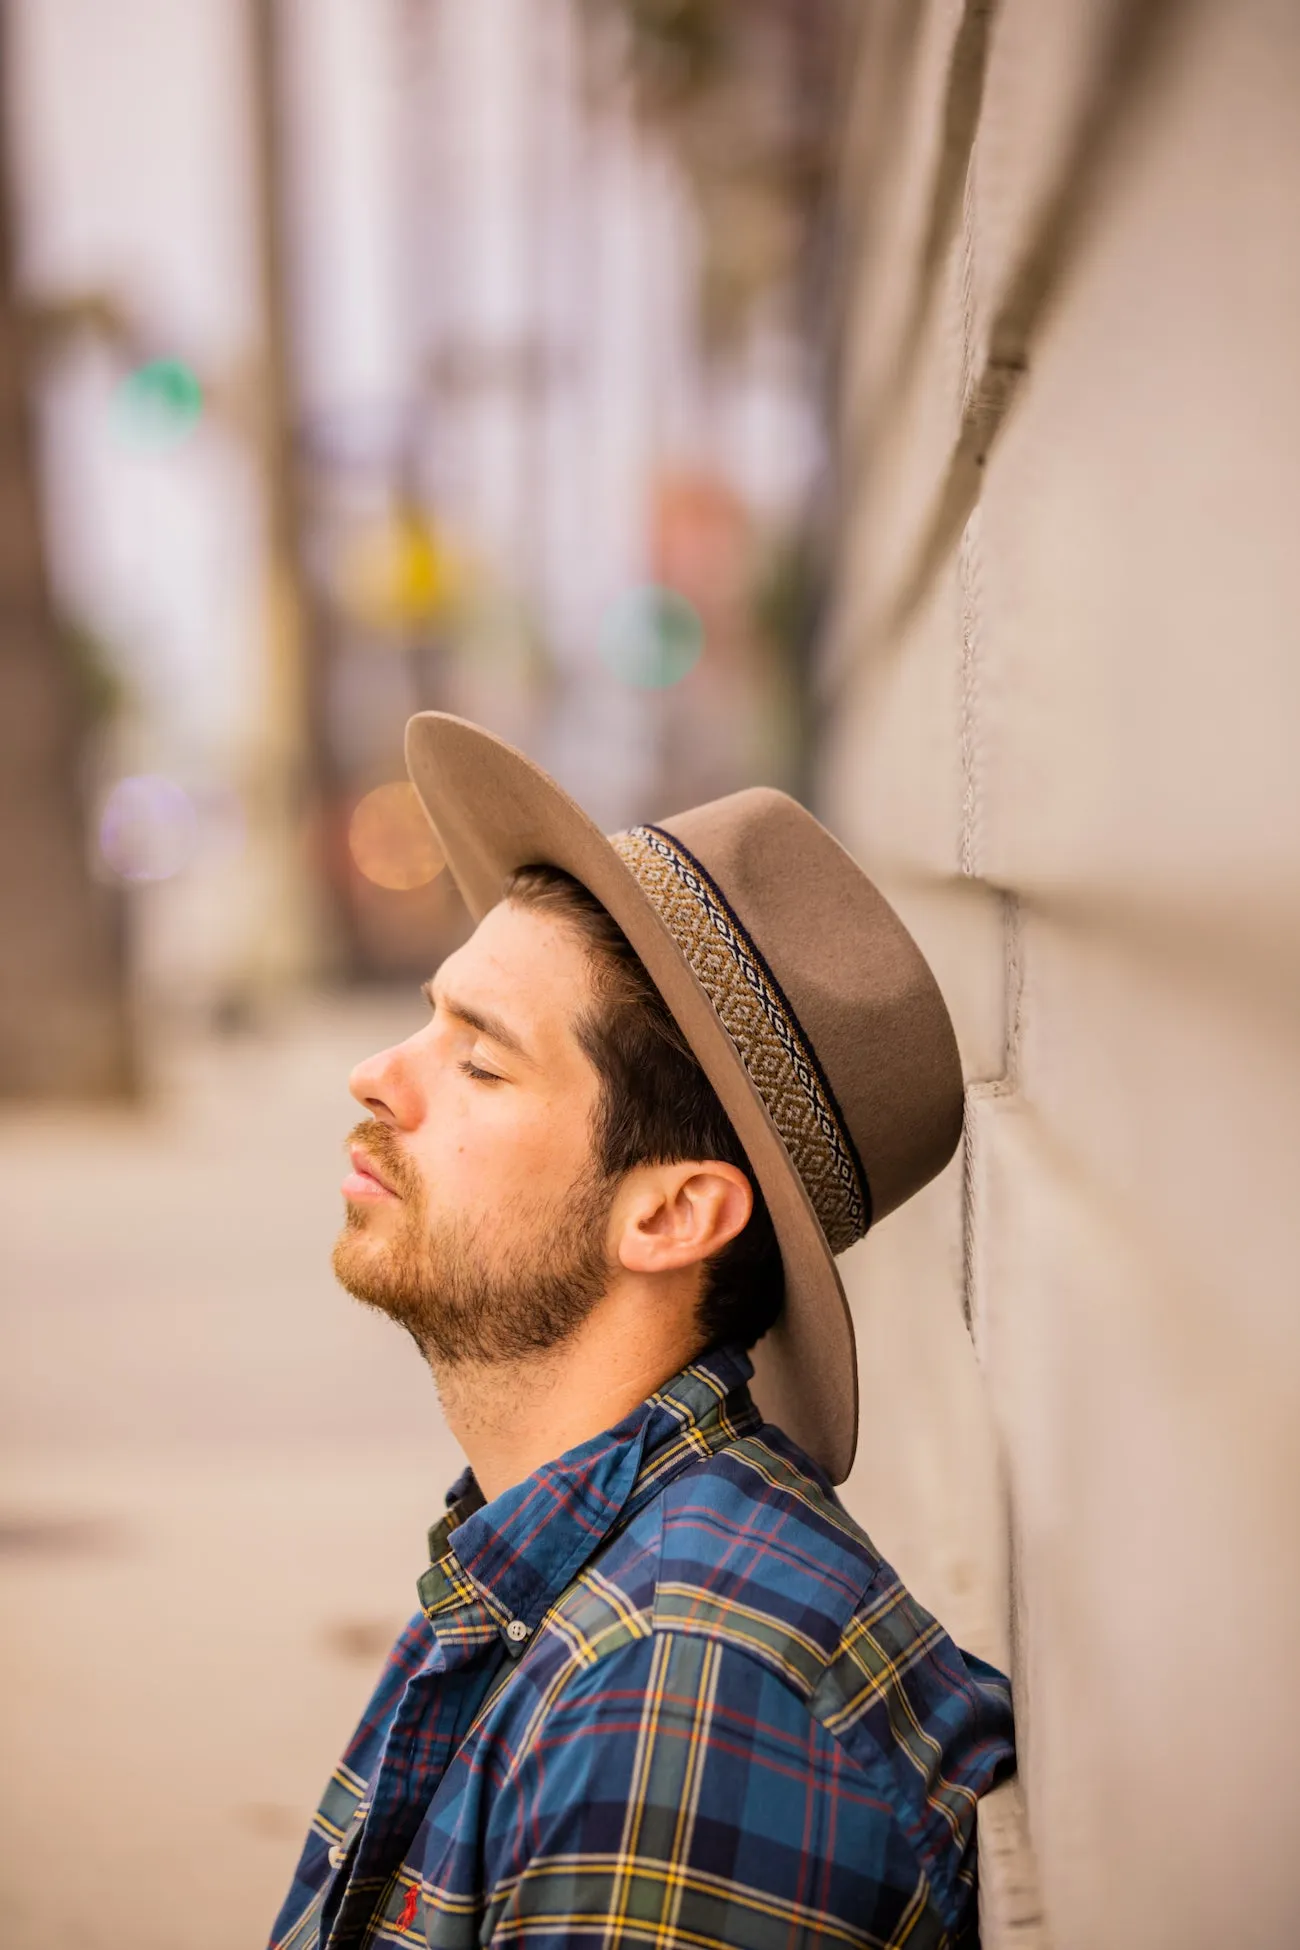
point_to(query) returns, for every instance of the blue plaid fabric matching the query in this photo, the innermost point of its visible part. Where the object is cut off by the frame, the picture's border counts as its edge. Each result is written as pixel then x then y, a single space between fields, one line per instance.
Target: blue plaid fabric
pixel 663 1692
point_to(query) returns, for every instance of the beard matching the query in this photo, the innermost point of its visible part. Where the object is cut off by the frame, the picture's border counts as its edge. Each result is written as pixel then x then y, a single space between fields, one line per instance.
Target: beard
pixel 464 1296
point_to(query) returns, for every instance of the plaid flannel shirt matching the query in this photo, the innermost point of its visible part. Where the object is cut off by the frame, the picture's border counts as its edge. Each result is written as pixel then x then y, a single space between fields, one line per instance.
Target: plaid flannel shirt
pixel 663 1692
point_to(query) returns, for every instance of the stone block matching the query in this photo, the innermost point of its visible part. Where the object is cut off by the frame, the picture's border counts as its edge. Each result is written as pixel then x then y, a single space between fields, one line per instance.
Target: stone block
pixel 896 786
pixel 926 1484
pixel 1138 576
pixel 1156 1567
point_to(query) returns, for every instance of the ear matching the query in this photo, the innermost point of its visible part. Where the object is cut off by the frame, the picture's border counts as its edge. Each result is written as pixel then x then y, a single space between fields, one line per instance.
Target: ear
pixel 673 1216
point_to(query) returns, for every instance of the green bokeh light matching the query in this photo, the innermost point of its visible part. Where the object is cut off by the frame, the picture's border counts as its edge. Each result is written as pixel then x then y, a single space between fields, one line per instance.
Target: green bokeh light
pixel 651 637
pixel 159 403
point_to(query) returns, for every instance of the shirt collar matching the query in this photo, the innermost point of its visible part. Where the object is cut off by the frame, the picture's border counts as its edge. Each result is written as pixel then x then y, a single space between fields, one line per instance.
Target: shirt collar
pixel 516 1554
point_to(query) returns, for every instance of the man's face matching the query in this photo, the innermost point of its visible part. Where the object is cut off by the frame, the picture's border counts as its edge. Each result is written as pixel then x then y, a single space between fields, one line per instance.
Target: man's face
pixel 476 1216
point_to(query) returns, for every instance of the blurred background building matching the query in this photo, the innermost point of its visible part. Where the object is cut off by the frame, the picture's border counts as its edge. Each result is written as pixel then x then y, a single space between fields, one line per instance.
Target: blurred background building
pixel 379 358
pixel 893 402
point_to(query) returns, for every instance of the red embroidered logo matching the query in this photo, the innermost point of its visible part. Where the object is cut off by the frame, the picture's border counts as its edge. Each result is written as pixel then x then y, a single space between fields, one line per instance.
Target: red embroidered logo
pixel 407 1916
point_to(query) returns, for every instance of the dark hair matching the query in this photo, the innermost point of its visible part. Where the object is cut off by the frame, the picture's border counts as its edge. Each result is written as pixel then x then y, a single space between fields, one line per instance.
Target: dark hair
pixel 657 1106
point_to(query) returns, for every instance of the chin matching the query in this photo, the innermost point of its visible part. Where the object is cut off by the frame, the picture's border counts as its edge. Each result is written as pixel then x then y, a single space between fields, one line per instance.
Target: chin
pixel 358 1261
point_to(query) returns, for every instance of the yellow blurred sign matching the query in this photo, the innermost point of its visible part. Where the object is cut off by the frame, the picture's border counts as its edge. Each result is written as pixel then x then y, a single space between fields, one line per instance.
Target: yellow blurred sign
pixel 400 574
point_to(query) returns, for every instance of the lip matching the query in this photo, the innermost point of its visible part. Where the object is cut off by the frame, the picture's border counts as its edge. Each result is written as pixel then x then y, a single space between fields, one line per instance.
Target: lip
pixel 363 1181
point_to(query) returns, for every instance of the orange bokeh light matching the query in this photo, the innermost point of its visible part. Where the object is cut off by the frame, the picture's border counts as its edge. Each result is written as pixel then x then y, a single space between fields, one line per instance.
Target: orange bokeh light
pixel 391 841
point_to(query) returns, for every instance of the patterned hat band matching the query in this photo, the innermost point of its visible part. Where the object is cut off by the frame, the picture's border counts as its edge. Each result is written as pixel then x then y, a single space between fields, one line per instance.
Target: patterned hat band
pixel 760 1022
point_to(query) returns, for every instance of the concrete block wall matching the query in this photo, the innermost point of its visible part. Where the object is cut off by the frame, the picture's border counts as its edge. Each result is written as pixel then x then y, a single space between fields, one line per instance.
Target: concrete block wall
pixel 1061 692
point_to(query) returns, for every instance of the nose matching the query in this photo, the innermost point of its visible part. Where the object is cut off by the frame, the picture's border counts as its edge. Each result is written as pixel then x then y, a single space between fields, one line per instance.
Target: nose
pixel 387 1086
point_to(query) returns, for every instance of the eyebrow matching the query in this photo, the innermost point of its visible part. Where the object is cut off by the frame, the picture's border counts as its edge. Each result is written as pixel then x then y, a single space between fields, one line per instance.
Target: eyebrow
pixel 479 1019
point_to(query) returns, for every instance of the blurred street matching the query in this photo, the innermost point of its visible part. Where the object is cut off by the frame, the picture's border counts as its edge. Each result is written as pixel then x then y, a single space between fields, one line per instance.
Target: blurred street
pixel 217 1475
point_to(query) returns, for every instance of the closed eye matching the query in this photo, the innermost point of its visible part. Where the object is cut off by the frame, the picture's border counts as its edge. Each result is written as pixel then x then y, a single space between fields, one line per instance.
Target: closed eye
pixel 482 1024
pixel 480 1076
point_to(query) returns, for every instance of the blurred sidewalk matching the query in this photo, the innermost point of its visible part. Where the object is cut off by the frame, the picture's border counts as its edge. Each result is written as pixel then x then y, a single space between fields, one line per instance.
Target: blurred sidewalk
pixel 217 1475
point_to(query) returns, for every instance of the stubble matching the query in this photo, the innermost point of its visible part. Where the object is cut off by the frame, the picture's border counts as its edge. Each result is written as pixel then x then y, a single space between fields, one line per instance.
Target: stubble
pixel 486 1293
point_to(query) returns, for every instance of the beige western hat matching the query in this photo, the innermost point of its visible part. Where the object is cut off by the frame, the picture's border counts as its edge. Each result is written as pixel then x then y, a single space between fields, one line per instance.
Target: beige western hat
pixel 808 1004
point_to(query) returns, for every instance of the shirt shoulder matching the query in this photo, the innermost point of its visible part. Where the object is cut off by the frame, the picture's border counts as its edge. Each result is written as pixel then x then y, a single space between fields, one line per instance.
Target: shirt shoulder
pixel 757 1549
pixel 751 1547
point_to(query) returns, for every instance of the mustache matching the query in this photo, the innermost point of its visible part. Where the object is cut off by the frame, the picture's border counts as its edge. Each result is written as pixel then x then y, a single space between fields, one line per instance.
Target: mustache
pixel 380 1142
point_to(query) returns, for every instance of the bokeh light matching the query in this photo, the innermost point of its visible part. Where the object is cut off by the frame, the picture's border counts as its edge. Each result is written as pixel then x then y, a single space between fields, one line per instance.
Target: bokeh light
pixel 148 828
pixel 651 637
pixel 391 840
pixel 159 403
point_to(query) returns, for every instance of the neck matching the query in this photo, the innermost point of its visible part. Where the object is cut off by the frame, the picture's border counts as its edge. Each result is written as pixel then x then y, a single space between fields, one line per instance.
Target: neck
pixel 511 1417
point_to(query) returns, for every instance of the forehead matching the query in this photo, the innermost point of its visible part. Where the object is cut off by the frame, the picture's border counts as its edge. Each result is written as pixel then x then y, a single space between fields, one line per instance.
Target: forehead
pixel 527 966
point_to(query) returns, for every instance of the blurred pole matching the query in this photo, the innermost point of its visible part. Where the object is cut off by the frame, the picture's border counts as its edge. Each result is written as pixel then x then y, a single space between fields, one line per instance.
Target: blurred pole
pixel 64 1023
pixel 288 837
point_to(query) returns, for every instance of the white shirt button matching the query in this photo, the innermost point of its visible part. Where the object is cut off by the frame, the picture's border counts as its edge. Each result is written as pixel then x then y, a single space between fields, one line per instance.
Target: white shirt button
pixel 336 1855
pixel 517 1630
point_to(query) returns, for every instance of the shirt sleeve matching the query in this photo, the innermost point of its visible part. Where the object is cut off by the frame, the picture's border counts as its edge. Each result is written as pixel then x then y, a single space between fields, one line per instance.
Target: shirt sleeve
pixel 681 1792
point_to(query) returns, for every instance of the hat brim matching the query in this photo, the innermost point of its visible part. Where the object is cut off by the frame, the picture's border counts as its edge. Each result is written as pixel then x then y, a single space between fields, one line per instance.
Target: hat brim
pixel 494 811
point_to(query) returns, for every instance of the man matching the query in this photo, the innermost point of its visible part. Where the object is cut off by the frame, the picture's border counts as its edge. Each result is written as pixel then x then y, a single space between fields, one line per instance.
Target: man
pixel 661 1688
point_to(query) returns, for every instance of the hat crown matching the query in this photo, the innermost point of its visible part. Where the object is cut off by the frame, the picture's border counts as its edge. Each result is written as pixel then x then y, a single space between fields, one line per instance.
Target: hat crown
pixel 881 1085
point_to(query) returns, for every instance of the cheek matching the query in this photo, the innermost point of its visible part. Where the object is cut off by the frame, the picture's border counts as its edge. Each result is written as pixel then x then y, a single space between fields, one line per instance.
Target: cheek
pixel 471 1151
pixel 518 1149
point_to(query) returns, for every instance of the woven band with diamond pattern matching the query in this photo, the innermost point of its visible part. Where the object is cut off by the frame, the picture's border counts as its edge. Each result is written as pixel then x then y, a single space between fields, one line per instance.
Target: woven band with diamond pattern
pixel 760 1022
